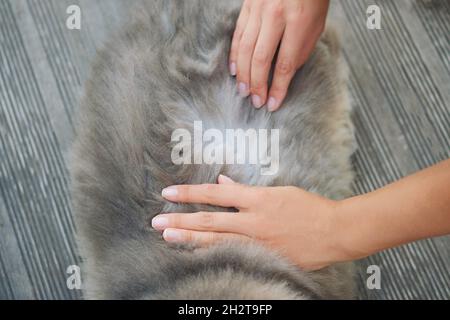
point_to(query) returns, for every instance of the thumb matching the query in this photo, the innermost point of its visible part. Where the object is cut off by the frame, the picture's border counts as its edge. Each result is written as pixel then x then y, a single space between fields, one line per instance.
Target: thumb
pixel 225 180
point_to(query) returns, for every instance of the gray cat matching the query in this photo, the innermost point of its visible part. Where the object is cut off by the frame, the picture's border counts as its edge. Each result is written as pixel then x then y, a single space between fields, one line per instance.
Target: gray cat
pixel 164 70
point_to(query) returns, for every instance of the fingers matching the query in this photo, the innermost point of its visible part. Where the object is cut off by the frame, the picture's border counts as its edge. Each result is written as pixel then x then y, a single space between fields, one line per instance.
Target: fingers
pixel 202 221
pixel 223 195
pixel 260 27
pixel 200 238
pixel 269 37
pixel 245 51
pixel 238 31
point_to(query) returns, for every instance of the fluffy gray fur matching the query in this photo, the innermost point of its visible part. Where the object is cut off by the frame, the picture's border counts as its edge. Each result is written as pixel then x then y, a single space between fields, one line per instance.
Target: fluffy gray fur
pixel 164 70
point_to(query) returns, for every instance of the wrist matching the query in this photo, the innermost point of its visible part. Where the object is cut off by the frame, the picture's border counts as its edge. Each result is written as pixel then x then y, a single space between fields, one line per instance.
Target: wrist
pixel 353 231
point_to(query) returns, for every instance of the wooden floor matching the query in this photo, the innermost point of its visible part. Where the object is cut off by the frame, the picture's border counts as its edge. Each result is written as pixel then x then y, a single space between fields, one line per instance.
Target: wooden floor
pixel 399 81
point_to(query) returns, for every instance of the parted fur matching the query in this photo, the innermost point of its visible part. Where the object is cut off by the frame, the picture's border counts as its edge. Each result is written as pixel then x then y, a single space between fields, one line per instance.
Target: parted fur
pixel 164 70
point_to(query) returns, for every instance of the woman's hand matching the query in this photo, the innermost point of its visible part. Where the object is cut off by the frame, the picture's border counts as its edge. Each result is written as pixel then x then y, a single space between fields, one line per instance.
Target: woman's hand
pixel 300 225
pixel 262 26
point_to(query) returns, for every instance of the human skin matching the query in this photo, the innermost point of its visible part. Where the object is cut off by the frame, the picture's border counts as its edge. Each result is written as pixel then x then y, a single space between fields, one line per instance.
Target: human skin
pixel 310 230
pixel 263 26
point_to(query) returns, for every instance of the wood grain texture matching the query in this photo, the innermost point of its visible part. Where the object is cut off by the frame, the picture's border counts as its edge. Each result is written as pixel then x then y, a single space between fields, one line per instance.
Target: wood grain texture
pixel 399 83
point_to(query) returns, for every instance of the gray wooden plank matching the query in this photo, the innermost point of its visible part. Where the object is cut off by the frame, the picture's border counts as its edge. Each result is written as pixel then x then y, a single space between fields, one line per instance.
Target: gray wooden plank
pixel 14 278
pixel 401 121
pixel 34 175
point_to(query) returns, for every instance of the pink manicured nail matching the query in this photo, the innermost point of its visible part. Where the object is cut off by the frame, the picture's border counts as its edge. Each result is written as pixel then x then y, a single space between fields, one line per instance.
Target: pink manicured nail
pixel 160 223
pixel 224 179
pixel 171 235
pixel 256 100
pixel 233 69
pixel 272 104
pixel 243 90
pixel 169 192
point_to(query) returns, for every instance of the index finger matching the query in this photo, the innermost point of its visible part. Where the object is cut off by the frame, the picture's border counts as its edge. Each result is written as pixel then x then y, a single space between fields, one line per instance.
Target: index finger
pixel 223 195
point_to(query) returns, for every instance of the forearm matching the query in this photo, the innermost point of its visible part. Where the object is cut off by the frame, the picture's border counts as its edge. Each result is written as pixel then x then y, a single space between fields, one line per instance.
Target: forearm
pixel 410 209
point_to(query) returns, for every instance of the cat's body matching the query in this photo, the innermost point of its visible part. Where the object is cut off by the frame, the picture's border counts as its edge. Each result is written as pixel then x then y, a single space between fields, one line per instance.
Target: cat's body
pixel 165 70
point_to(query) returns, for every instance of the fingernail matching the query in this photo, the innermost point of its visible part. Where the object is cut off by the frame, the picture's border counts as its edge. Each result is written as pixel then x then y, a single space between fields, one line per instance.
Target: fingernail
pixel 233 69
pixel 224 179
pixel 243 89
pixel 256 100
pixel 169 192
pixel 171 235
pixel 160 223
pixel 272 104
